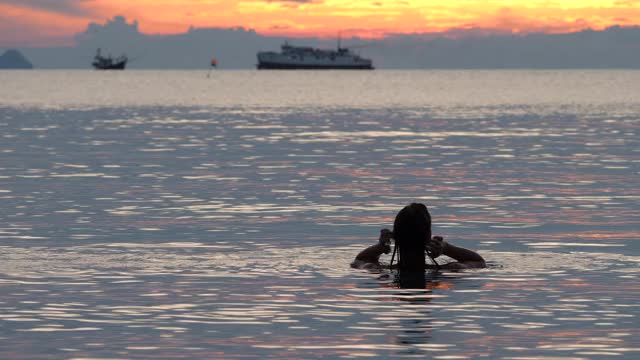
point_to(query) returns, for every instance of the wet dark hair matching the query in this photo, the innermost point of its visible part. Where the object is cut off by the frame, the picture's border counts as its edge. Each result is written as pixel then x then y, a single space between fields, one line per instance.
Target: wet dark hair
pixel 411 228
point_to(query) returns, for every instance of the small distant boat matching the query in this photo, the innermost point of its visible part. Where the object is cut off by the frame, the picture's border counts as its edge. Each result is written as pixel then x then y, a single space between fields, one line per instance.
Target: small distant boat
pixel 303 57
pixel 108 63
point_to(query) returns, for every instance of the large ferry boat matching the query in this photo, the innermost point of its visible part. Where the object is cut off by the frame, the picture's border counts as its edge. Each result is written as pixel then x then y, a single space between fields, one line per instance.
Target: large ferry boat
pixel 303 57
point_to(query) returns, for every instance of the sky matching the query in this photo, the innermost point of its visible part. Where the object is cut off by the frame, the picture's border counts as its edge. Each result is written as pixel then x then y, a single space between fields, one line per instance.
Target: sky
pixel 55 22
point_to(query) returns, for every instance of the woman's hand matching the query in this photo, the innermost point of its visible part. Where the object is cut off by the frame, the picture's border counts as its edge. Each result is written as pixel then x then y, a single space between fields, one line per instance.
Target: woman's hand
pixel 435 247
pixel 385 240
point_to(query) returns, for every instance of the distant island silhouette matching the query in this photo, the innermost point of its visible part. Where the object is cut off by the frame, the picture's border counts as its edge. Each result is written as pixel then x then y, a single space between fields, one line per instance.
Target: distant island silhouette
pixel 13 59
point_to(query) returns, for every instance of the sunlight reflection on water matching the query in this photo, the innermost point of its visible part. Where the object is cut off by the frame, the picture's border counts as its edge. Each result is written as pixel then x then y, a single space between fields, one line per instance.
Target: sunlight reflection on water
pixel 301 299
pixel 196 231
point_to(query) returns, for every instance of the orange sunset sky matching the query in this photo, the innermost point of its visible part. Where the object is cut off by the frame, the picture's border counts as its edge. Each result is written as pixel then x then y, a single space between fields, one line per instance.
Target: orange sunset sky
pixel 45 21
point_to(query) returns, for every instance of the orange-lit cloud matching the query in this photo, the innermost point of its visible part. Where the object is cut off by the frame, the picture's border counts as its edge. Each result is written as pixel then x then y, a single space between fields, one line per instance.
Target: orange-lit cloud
pixel 324 18
pixel 20 25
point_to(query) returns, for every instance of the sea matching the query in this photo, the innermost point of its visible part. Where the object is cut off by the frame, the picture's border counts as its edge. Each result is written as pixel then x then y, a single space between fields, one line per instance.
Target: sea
pixel 214 215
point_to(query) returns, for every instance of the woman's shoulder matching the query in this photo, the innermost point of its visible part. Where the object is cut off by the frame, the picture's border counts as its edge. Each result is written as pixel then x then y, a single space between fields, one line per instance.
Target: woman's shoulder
pixel 362 264
pixel 463 265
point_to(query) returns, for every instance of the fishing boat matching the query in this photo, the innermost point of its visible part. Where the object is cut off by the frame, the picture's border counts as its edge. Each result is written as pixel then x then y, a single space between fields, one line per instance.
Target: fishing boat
pixel 108 63
pixel 304 57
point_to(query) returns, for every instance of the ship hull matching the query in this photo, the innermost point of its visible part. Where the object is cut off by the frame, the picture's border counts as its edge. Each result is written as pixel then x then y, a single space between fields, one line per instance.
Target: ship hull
pixel 281 66
pixel 118 66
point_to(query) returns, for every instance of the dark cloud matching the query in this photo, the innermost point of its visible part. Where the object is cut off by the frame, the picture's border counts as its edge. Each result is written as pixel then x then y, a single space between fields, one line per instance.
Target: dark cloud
pixel 70 7
pixel 464 48
pixel 280 27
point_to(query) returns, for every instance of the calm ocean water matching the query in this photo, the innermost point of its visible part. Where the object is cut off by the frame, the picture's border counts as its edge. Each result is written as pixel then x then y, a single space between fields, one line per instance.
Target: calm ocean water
pixel 162 215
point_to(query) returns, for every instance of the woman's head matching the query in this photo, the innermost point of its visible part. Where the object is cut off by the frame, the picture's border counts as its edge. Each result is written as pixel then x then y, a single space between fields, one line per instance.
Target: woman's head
pixel 411 228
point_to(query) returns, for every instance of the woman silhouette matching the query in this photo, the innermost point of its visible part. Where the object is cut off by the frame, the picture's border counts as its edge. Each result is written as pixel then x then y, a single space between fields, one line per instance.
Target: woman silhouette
pixel 412 235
